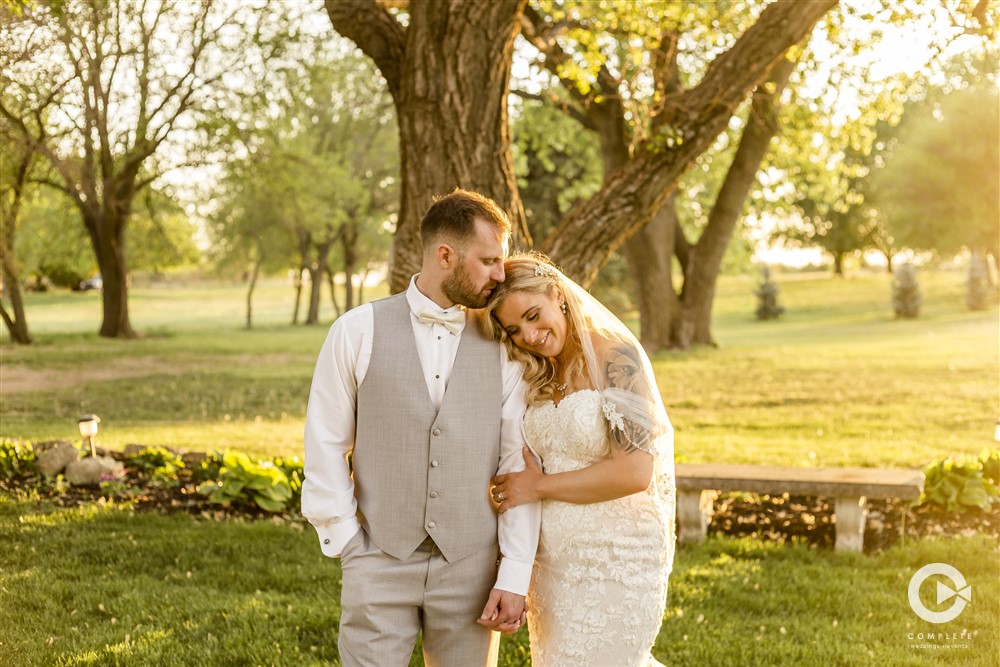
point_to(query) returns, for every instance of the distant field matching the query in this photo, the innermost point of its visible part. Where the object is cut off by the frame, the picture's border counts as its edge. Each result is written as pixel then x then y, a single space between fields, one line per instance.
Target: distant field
pixel 836 381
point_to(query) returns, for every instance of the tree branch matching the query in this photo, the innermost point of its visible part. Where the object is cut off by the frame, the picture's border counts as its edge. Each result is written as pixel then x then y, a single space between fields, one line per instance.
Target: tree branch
pixel 563 105
pixel 369 24
pixel 632 193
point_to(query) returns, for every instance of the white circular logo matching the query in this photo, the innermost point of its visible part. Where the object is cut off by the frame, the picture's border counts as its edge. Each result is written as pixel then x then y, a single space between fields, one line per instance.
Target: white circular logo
pixel 960 590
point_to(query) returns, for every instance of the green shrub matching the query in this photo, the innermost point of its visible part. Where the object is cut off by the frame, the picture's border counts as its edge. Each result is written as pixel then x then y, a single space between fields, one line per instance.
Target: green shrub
pixel 978 290
pixel 990 463
pixel 244 482
pixel 767 292
pixel 208 469
pixel 958 486
pixel 155 463
pixel 906 299
pixel 17 459
pixel 293 469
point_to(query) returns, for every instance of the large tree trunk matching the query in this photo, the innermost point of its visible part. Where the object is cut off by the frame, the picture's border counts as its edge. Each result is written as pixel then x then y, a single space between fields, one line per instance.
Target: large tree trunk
pixel 107 236
pixel 693 322
pixel 448 71
pixel 649 253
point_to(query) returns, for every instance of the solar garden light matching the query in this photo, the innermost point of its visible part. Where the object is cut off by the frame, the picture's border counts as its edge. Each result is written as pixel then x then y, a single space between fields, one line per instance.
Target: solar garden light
pixel 88 429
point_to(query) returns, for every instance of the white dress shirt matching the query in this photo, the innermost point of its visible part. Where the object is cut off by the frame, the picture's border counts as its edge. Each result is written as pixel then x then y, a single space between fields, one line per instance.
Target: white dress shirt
pixel 328 490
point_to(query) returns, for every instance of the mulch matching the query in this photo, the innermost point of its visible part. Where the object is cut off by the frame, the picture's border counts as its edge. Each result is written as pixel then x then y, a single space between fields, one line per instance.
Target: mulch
pixel 781 518
pixel 810 519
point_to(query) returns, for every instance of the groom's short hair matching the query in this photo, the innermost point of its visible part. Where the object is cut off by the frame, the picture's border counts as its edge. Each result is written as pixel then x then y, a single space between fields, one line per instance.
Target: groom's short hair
pixel 452 217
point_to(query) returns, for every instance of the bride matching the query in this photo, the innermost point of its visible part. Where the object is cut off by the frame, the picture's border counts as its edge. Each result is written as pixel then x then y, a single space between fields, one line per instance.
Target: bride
pixel 606 480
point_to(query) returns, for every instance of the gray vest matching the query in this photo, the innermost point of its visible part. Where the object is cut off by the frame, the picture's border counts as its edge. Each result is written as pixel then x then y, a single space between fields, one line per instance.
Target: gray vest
pixel 420 472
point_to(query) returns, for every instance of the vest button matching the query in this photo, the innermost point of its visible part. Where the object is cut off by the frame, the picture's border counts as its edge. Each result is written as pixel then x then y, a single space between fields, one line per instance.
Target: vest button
pixel 434 463
pixel 434 494
pixel 431 524
pixel 436 431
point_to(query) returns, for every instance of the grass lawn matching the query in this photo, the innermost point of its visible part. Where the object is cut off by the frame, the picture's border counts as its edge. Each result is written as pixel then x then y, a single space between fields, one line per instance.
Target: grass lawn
pixel 836 381
pixel 104 586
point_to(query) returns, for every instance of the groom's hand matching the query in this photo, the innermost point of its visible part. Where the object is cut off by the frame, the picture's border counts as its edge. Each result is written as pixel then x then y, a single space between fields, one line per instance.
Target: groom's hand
pixel 504 611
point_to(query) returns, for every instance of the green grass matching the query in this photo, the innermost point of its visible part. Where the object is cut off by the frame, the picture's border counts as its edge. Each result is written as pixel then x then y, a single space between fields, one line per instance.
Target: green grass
pixel 836 381
pixel 102 585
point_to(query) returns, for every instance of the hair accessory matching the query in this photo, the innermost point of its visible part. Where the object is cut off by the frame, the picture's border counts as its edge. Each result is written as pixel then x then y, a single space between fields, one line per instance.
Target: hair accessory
pixel 546 270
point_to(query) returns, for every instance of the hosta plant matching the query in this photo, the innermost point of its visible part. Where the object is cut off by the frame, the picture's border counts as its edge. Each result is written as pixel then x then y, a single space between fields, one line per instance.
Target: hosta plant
pixel 17 459
pixel 245 482
pixel 958 486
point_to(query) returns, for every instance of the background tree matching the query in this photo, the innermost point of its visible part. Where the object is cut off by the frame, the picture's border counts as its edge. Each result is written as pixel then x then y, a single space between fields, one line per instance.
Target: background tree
pixel 249 231
pixel 448 74
pixel 447 66
pixel 55 247
pixel 941 182
pixel 835 213
pixel 601 84
pixel 18 164
pixel 124 78
pixel 830 196
pixel 314 151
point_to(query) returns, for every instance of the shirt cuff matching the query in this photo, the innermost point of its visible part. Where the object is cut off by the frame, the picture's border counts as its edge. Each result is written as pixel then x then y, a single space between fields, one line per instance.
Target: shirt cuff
pixel 514 577
pixel 333 536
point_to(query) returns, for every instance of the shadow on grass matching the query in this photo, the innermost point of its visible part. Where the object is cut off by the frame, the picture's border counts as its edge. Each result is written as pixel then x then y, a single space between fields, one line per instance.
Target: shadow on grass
pixel 101 585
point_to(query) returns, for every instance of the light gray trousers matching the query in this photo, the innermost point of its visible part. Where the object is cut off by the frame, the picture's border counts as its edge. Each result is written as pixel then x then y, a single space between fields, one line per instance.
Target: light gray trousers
pixel 385 602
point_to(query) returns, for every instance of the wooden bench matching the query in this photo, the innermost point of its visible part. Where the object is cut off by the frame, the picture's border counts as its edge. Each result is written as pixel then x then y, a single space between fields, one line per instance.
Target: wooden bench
pixel 699 484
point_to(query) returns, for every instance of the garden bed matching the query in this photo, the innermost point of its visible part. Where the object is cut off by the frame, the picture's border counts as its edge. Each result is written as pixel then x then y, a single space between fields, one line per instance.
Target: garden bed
pixel 774 518
pixel 810 520
pixel 221 484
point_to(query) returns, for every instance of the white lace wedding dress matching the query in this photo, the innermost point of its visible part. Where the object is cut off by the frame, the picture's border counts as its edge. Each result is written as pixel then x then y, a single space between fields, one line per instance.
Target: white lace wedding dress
pixel 599 586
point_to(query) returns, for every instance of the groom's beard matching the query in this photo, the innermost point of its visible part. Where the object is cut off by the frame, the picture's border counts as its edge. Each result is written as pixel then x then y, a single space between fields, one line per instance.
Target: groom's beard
pixel 458 287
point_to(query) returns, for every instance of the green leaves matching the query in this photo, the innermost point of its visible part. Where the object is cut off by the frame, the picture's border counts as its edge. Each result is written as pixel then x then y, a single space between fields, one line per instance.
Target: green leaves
pixel 245 482
pixel 960 486
pixel 16 459
pixel 155 463
pixel 939 188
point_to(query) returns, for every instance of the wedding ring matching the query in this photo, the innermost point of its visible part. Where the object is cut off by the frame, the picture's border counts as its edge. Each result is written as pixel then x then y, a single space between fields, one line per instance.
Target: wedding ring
pixel 501 497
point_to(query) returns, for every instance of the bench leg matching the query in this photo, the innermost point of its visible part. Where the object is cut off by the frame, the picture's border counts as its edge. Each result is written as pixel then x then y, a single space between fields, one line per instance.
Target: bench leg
pixel 851 514
pixel 694 512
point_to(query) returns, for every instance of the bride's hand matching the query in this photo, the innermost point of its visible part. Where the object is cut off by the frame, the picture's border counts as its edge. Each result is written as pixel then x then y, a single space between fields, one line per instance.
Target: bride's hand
pixel 518 488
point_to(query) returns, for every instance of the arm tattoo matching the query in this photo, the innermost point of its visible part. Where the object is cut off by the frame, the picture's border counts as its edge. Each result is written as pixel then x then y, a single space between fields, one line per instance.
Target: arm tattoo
pixel 623 370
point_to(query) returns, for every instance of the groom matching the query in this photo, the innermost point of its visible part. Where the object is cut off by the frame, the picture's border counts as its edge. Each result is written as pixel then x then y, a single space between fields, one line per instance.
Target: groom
pixel 428 410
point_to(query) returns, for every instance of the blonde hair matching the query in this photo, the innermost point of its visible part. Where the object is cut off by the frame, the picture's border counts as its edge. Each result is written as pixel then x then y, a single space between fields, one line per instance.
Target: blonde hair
pixel 524 275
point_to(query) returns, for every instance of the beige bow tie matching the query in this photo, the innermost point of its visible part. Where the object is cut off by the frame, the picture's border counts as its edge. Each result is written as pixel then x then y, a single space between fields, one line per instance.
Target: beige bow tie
pixel 453 322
